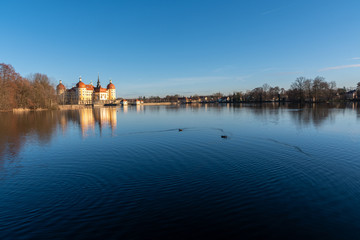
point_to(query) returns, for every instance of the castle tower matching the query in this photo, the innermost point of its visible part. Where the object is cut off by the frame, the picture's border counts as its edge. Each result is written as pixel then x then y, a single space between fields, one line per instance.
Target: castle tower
pixel 111 91
pixel 61 92
pixel 98 82
pixel 60 88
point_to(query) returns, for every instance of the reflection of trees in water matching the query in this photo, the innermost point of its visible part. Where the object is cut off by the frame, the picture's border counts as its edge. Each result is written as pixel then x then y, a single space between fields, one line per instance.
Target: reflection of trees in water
pixel 317 114
pixel 301 114
pixel 263 111
pixel 17 128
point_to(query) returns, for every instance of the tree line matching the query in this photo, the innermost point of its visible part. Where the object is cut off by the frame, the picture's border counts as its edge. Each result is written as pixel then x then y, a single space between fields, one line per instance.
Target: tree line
pixel 32 92
pixel 36 91
pixel 301 90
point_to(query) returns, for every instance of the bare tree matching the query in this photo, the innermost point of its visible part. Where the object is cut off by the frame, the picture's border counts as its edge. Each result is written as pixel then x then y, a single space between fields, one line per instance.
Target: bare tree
pixel 266 87
pixel 308 89
pixel 274 93
pixel 298 89
pixel 19 92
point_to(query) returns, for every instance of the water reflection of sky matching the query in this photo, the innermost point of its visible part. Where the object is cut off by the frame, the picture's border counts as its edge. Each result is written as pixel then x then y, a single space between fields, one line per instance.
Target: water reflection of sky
pixel 64 172
pixel 274 119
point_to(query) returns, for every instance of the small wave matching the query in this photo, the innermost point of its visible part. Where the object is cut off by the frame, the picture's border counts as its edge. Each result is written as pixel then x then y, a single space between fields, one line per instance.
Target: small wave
pixel 289 145
pixel 228 135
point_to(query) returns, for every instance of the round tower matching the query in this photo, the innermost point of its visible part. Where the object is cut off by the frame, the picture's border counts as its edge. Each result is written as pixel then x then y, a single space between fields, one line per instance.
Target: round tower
pixel 111 90
pixel 60 88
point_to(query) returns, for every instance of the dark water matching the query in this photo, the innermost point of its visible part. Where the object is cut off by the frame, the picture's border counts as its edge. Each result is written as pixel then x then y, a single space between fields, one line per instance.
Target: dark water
pixel 283 172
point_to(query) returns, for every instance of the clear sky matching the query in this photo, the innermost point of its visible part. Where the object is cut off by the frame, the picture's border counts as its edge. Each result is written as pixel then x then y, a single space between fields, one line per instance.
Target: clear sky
pixel 184 47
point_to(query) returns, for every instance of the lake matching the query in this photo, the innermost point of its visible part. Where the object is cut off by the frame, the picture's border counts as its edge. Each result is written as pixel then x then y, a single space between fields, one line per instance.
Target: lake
pixel 280 171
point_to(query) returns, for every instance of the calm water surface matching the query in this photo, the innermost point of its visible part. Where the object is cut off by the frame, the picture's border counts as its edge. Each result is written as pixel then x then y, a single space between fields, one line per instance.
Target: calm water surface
pixel 129 173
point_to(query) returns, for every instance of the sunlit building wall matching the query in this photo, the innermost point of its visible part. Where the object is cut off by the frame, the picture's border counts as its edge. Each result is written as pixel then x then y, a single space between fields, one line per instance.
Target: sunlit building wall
pixel 85 93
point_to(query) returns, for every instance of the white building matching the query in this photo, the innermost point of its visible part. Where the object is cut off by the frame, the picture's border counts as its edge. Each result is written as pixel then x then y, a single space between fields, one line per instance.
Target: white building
pixel 86 93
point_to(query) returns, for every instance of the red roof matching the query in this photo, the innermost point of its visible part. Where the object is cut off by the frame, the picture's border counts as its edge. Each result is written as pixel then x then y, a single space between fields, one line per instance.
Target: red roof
pixel 100 89
pixel 89 87
pixel 110 86
pixel 60 86
pixel 81 85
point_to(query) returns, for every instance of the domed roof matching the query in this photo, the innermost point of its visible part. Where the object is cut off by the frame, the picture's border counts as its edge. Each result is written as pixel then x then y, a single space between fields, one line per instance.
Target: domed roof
pixel 80 84
pixel 60 86
pixel 110 85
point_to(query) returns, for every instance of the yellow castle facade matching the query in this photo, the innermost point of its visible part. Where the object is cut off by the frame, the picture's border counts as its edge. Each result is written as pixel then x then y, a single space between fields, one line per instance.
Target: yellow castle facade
pixel 86 93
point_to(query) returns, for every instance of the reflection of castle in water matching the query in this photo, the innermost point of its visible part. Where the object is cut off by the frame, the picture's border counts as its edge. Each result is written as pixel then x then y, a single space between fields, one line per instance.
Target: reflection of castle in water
pixel 89 118
pixel 104 117
pixel 86 119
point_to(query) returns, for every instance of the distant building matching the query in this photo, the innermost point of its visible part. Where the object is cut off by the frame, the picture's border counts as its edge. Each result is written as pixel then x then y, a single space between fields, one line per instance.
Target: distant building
pixel 203 99
pixel 86 93
pixel 124 102
pixel 351 95
pixel 224 100
pixel 183 100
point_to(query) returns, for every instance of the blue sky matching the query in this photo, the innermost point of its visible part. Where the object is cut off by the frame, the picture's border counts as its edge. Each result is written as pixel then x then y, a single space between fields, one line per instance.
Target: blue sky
pixel 183 47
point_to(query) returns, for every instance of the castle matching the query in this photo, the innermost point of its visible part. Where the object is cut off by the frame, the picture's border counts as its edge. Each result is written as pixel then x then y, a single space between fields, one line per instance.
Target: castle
pixel 86 93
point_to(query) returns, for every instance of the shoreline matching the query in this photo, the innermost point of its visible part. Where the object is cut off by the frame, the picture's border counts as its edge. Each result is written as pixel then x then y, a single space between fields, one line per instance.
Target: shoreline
pixel 160 103
pixel 79 106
